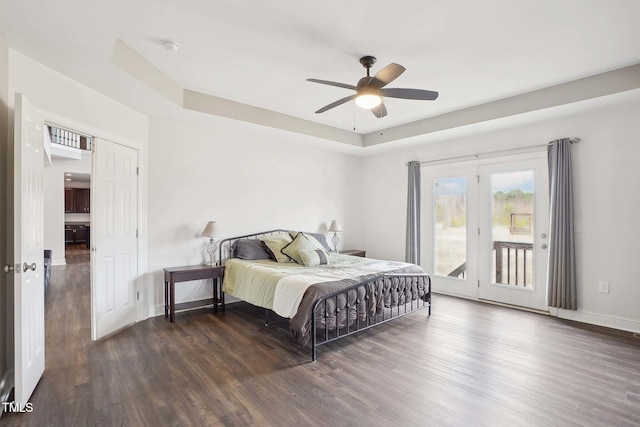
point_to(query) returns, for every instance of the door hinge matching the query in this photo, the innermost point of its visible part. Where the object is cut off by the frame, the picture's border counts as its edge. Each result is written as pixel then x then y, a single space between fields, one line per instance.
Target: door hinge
pixel 137 170
pixel 478 178
pixel 137 295
pixel 478 282
pixel 478 231
pixel 136 233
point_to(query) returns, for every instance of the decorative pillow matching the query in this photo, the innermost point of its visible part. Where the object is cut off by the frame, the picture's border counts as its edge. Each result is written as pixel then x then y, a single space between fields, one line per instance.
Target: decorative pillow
pixel 301 242
pixel 275 243
pixel 314 258
pixel 318 236
pixel 250 249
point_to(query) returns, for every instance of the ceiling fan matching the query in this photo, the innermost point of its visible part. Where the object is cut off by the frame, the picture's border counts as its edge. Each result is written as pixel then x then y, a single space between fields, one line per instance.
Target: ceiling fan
pixel 370 90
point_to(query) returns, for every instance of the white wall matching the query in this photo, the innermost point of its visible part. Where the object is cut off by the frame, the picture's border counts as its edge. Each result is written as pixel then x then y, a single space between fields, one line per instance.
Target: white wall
pixel 246 177
pixel 607 203
pixel 54 185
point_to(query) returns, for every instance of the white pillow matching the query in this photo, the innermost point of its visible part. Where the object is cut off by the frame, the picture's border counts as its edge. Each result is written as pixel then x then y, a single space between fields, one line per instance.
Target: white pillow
pixel 301 242
pixel 312 258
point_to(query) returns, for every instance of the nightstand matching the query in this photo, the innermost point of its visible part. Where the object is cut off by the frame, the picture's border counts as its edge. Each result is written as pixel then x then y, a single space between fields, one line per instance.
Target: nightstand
pixel 355 252
pixel 174 275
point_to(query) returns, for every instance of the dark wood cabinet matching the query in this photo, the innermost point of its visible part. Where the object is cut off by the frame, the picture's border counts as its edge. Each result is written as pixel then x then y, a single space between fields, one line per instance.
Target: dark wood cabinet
pixel 81 200
pixel 68 200
pixel 77 234
pixel 69 235
pixel 77 200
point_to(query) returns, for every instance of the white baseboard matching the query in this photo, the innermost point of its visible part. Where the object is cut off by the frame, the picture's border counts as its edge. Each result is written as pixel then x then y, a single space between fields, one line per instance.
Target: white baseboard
pixel 60 261
pixel 608 321
pixel 158 309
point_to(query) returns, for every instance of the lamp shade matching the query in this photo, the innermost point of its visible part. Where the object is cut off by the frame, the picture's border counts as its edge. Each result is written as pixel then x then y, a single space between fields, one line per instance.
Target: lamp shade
pixel 211 230
pixel 335 226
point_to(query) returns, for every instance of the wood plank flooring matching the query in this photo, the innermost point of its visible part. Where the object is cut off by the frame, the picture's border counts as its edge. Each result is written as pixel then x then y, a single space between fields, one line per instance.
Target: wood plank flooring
pixel 469 364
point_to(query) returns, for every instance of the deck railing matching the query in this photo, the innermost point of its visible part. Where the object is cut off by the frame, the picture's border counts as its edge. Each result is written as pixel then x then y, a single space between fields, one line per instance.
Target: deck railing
pixel 512 264
pixel 513 258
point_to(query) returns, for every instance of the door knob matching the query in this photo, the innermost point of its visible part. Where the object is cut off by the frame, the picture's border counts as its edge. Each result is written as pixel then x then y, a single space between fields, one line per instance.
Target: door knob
pixel 26 267
pixel 543 235
pixel 8 267
pixel 543 246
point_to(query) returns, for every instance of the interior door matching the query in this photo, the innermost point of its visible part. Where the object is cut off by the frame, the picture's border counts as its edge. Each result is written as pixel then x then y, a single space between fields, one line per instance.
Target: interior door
pixel 114 249
pixel 28 226
pixel 514 223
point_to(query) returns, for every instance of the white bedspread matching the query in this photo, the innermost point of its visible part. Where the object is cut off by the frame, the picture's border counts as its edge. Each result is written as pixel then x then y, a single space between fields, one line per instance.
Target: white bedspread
pixel 280 286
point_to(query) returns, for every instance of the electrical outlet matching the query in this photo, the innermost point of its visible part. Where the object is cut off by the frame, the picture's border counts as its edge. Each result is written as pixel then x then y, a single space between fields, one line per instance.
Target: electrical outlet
pixel 603 287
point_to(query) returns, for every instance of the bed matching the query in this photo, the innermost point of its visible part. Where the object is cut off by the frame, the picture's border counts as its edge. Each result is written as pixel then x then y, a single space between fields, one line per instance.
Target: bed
pixel 325 295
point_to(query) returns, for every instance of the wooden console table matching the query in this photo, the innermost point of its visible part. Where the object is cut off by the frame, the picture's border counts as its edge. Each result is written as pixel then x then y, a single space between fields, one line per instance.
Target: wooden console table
pixel 174 275
pixel 355 252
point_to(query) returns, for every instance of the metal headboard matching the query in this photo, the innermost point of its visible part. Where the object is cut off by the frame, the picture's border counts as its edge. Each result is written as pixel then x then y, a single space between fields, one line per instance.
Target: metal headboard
pixel 225 247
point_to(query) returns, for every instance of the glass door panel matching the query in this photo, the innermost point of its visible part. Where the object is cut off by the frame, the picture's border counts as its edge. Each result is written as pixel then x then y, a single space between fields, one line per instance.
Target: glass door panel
pixel 450 228
pixel 450 200
pixel 512 199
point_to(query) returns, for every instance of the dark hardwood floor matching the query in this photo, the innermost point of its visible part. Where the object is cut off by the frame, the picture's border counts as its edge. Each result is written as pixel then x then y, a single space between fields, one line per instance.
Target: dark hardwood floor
pixel 469 364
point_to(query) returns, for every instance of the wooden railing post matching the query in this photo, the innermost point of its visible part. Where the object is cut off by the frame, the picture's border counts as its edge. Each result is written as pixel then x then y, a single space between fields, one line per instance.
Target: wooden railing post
pixel 497 246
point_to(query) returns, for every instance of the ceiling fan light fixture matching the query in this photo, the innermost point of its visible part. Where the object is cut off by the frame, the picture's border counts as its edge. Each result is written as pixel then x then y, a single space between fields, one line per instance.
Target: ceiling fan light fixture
pixel 368 101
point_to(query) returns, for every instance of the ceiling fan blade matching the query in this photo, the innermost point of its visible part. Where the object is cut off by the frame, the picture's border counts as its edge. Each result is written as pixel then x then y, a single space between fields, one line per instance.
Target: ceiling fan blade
pixel 386 75
pixel 380 110
pixel 336 103
pixel 424 95
pixel 327 82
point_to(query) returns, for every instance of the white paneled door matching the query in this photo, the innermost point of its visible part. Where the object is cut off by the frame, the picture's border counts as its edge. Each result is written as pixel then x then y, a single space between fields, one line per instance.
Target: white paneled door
pixel 28 268
pixel 114 243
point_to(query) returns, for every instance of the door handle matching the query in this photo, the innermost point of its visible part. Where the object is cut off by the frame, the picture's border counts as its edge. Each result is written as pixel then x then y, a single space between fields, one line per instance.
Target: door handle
pixel 26 267
pixel 8 268
pixel 543 246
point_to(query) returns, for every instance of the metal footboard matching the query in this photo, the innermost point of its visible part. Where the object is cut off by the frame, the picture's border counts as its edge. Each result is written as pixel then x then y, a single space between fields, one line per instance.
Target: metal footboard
pixel 366 304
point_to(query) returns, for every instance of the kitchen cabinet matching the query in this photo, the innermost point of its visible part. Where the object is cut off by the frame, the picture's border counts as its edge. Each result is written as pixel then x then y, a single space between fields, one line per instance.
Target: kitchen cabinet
pixel 77 234
pixel 68 200
pixel 77 200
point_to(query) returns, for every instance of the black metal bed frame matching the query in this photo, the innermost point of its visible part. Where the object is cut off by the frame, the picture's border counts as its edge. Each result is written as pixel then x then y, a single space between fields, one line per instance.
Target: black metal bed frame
pixel 326 334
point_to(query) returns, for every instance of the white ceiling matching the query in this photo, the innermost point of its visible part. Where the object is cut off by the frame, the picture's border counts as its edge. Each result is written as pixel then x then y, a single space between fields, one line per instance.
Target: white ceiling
pixel 260 52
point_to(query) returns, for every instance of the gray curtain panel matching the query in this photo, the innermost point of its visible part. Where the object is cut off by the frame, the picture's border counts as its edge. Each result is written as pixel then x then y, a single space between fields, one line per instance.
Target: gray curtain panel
pixel 412 250
pixel 561 273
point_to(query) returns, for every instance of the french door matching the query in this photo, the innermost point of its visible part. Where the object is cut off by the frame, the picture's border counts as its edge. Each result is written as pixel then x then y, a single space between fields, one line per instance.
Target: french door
pixel 486 226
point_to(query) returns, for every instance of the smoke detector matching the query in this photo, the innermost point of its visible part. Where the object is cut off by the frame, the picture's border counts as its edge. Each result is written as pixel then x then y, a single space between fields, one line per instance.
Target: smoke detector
pixel 171 46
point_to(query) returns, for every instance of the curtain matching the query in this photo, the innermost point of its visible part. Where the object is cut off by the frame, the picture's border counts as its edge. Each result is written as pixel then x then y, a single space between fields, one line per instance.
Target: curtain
pixel 561 273
pixel 412 250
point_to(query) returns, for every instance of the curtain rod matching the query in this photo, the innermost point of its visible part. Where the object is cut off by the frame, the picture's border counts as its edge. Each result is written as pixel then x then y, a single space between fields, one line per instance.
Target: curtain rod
pixel 503 152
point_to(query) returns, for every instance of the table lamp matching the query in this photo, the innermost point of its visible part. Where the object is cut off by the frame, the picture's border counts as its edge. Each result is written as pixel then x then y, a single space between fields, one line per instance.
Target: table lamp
pixel 212 230
pixel 335 227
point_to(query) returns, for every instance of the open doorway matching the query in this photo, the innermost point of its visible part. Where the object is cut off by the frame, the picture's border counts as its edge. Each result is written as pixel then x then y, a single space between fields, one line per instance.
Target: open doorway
pixel 67 196
pixel 77 217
